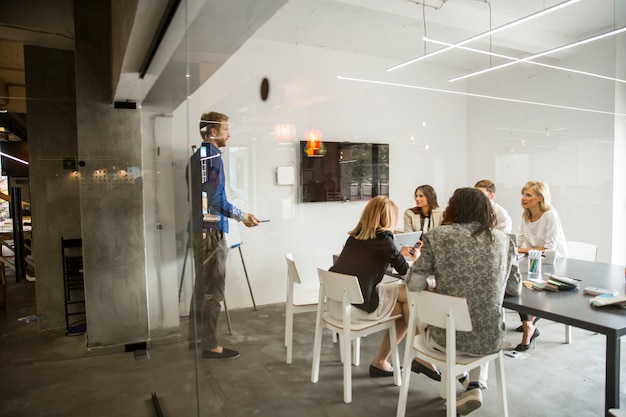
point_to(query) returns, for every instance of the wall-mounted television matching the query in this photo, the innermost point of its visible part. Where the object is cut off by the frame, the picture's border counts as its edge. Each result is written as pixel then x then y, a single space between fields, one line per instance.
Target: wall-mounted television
pixel 14 159
pixel 346 171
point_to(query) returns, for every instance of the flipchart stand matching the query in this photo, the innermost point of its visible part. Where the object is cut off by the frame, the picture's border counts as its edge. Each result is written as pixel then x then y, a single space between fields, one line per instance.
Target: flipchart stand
pixel 233 240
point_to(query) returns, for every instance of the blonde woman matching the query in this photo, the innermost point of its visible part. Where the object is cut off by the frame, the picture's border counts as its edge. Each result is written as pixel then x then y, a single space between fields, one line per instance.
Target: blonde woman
pixel 539 229
pixel 367 254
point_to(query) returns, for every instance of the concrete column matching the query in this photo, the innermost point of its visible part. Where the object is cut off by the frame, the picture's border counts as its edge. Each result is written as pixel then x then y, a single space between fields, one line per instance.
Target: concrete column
pixel 111 188
pixel 54 191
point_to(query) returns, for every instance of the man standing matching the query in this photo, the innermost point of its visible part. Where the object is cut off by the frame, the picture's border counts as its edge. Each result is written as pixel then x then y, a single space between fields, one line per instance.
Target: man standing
pixel 210 211
pixel 504 220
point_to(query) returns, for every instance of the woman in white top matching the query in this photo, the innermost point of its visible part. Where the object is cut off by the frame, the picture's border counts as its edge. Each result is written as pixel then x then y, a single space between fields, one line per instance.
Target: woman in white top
pixel 426 214
pixel 540 229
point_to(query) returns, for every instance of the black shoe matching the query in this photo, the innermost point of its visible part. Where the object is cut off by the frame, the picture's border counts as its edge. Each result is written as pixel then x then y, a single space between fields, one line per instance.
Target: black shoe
pixel 225 354
pixel 418 368
pixel 524 348
pixel 379 373
pixel 520 329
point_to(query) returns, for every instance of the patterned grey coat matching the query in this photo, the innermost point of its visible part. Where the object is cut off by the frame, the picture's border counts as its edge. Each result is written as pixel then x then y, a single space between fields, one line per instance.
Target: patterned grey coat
pixel 473 267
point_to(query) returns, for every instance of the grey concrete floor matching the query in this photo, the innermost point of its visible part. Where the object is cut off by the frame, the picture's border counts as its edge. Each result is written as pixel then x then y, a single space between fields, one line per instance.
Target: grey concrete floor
pixel 45 373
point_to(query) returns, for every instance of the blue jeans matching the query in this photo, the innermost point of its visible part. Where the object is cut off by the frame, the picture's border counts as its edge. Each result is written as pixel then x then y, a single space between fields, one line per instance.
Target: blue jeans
pixel 210 252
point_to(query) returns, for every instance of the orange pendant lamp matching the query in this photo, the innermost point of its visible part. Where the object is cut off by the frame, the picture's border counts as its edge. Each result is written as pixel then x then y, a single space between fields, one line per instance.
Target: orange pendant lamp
pixel 314 145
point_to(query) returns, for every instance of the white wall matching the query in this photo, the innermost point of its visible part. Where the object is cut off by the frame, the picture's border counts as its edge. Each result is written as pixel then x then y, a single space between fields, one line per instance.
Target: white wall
pixel 509 143
pixel 464 140
pixel 305 91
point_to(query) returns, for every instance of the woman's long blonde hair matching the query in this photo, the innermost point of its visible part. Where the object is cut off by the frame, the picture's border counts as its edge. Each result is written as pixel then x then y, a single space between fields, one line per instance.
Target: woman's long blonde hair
pixel 380 214
pixel 541 189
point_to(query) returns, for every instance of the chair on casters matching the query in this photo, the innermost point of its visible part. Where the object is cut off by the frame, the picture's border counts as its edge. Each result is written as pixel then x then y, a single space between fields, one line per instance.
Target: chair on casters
pixel 452 314
pixel 298 301
pixel 346 290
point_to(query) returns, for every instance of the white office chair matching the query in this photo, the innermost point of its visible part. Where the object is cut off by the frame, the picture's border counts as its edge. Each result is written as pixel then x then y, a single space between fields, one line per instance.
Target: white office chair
pixel 346 290
pixel 452 314
pixel 582 250
pixel 298 301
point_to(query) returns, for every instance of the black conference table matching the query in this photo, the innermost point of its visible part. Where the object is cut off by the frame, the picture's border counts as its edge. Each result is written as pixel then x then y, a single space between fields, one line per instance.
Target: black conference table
pixel 572 307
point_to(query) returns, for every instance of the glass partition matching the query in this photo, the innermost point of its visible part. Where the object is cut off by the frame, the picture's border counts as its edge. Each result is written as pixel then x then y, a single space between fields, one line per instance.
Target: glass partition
pixel 556 117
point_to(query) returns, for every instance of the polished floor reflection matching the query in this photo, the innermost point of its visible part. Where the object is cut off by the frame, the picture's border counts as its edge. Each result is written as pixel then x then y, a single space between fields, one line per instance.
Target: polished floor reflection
pixel 50 374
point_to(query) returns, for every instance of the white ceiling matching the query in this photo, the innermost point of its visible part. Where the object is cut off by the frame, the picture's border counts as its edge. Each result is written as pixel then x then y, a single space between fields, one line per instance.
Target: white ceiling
pixel 395 28
pixel 391 29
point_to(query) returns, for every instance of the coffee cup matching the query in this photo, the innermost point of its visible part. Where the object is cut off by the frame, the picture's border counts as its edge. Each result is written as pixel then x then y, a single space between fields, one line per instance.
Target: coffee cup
pixel 549 256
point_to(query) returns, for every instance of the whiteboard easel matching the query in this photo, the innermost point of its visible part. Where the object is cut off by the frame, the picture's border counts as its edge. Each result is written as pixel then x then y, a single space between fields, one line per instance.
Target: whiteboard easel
pixel 233 240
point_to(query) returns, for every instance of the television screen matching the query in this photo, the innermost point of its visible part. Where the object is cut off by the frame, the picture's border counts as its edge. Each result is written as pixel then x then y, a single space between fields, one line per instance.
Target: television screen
pixel 343 171
pixel 14 159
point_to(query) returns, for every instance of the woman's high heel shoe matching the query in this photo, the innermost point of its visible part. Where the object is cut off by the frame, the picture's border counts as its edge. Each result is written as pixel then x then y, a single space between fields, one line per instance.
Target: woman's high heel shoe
pixel 524 348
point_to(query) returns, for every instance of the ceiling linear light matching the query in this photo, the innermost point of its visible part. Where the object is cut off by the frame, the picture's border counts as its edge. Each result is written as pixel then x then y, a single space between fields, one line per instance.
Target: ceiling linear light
pixel 510 100
pixel 490 32
pixel 465 48
pixel 544 53
pixel 6 155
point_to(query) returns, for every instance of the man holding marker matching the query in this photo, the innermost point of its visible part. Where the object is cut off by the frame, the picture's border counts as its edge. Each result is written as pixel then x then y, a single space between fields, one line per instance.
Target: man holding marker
pixel 210 211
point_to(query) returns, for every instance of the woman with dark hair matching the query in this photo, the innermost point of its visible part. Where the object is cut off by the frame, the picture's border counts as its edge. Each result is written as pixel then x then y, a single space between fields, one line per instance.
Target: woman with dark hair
pixel 426 214
pixel 469 258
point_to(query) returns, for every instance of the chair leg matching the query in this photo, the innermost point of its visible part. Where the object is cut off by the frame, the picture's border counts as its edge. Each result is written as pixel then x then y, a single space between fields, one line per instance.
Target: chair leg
pixel 406 375
pixel 317 352
pixel 356 353
pixel 404 387
pixel 289 335
pixel 395 356
pixel 568 334
pixel 504 408
pixel 448 381
pixel 347 368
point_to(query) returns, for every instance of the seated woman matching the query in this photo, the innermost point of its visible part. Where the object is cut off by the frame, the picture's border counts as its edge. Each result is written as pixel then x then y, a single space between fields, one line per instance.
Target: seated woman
pixel 367 254
pixel 426 214
pixel 469 258
pixel 539 229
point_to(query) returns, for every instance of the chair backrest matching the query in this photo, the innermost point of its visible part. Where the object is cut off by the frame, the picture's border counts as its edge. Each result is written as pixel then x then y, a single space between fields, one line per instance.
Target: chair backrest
pixel 336 284
pixel 292 271
pixel 433 309
pixel 582 250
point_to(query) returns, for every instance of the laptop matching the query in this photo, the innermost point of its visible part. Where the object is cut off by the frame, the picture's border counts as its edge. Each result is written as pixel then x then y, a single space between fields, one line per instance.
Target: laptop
pixel 513 237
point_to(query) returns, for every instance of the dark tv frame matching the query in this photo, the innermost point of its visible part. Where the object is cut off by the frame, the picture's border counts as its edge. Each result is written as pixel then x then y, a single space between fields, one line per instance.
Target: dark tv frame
pixel 347 171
